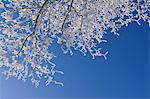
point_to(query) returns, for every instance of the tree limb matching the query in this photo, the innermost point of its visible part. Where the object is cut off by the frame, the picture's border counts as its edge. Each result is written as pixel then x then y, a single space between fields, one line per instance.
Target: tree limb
pixel 34 28
pixel 62 27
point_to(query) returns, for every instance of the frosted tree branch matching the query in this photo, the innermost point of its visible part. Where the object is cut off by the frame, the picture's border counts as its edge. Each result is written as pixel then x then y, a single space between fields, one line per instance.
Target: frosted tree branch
pixel 29 27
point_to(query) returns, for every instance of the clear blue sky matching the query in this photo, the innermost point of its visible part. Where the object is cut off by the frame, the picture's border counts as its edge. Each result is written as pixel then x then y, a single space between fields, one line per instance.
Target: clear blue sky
pixel 124 74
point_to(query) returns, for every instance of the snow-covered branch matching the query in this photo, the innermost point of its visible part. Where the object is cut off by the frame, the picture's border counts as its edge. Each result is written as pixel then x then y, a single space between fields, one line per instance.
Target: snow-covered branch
pixel 29 27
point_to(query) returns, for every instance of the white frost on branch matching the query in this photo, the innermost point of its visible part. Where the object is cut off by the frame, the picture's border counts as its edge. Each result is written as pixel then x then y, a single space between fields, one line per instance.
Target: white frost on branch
pixel 29 27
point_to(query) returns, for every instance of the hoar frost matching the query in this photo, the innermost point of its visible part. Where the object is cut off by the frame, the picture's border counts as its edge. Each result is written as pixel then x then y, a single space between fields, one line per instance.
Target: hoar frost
pixel 29 27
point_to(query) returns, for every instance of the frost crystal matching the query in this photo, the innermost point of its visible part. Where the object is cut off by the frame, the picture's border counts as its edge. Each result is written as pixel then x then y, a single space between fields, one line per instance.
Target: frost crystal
pixel 29 27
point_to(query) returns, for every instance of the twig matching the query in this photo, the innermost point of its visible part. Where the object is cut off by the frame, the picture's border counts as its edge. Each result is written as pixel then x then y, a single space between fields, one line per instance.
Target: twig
pixel 36 21
pixel 62 27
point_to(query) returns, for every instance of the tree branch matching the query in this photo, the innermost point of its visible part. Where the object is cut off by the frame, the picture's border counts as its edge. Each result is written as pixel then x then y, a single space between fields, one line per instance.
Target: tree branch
pixel 34 28
pixel 62 27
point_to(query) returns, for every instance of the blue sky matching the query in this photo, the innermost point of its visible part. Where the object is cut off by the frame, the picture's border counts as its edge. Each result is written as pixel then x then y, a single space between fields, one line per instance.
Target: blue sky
pixel 124 74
